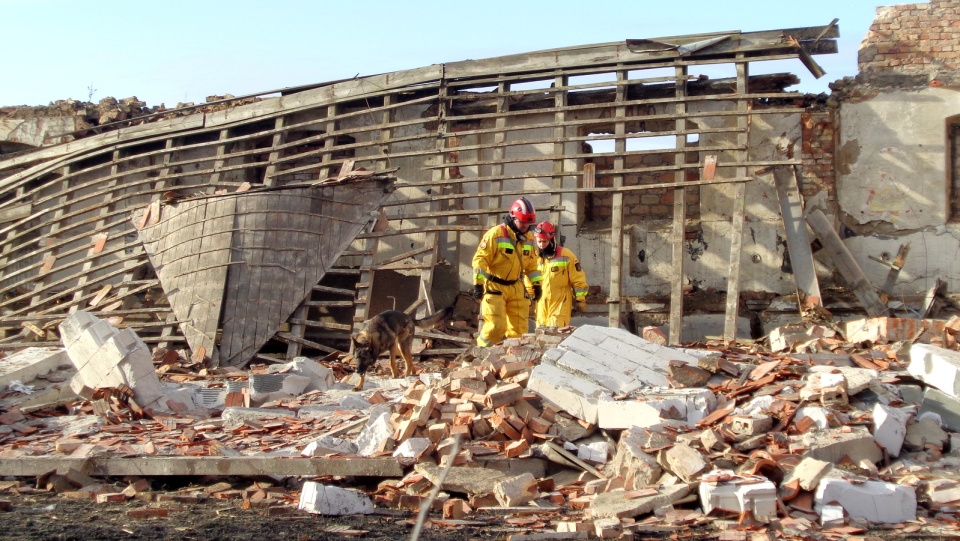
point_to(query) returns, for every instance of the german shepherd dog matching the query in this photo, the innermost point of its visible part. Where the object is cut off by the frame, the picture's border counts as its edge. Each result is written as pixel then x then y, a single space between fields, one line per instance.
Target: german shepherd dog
pixel 391 330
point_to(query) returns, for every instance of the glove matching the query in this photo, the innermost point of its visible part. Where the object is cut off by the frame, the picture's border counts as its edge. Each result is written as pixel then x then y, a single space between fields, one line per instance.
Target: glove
pixel 537 292
pixel 478 291
pixel 581 306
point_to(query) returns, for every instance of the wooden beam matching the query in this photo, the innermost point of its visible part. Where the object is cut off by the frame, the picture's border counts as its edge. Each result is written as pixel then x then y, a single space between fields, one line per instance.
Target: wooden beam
pixel 798 241
pixel 846 264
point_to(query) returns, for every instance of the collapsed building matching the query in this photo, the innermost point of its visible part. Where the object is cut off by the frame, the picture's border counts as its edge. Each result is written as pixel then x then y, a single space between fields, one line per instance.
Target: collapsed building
pixel 263 228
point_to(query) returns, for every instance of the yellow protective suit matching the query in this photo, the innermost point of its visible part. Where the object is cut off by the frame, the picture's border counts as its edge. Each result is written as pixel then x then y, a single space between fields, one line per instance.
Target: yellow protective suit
pixel 499 265
pixel 564 283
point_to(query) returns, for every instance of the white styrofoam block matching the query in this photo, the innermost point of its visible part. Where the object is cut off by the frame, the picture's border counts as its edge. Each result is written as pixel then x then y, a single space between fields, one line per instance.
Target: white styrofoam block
pixel 875 501
pixel 326 500
pixel 936 366
pixel 890 427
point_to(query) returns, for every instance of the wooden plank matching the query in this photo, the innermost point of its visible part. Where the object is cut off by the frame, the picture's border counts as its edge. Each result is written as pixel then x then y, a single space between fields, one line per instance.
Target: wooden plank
pixel 616 220
pixel 219 466
pixel 736 214
pixel 798 241
pixel 846 264
pixel 675 334
pixel 15 212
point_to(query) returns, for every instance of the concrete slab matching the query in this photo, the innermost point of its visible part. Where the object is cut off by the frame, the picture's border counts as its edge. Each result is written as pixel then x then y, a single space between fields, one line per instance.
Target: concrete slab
pixel 624 504
pixel 462 479
pixel 27 364
pixel 833 444
pixel 576 396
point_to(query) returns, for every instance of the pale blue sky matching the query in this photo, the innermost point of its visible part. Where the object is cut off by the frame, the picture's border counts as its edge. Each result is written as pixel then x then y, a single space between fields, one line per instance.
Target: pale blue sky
pixel 176 51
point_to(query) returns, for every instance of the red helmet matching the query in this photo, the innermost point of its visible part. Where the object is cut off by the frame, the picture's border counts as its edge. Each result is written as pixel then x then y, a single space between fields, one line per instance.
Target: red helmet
pixel 523 211
pixel 545 230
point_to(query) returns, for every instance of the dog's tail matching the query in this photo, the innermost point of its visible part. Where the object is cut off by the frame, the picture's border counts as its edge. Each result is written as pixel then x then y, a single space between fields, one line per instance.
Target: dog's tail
pixel 434 320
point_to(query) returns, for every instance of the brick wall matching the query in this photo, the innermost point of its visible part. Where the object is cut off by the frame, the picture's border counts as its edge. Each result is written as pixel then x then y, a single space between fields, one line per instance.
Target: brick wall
pixel 913 38
pixel 819 131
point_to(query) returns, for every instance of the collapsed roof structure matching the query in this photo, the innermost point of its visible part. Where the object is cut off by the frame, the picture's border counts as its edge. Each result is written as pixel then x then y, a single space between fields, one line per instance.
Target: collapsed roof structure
pixel 159 221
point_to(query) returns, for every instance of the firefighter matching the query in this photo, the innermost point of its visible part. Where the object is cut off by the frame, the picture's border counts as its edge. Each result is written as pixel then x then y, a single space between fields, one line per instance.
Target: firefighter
pixel 564 282
pixel 504 257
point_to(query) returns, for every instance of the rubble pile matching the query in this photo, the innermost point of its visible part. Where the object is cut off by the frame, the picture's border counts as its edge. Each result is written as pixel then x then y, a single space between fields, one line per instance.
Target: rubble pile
pixel 587 429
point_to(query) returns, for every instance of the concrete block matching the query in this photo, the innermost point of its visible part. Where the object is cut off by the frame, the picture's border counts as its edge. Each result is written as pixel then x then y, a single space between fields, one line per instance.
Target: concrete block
pixel 738 494
pixel 857 379
pixel 690 405
pixel 595 452
pixel 683 461
pixel 924 432
pixel 516 490
pixel 412 448
pixel 948 407
pixel 376 436
pixel 874 501
pixel 27 364
pixel 326 500
pixel 234 417
pixel 620 414
pixel 576 396
pixel 73 327
pixel 833 444
pixel 632 463
pixel 329 444
pixel 936 366
pixel 808 472
pixel 890 427
pixel 321 377
pixel 943 491
pixel 821 417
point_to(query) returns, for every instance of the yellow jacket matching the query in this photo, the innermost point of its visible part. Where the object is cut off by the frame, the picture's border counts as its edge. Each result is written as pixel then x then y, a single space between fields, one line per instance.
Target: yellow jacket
pixel 501 259
pixel 564 283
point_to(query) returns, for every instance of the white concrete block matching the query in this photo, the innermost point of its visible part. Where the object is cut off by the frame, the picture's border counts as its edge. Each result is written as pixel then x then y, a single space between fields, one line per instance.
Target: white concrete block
pixel 576 396
pixel 516 490
pixel 412 448
pixel 329 444
pixel 820 416
pixel 890 428
pixel 326 500
pixel 29 363
pixel 683 461
pixel 738 494
pixel 943 491
pixel 809 472
pixel 875 501
pixel 374 437
pixel 595 452
pixel 936 366
pixel 857 379
pixel 620 414
pixel 691 405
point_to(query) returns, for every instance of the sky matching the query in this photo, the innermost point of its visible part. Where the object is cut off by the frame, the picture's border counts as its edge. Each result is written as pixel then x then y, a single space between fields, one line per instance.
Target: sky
pixel 170 51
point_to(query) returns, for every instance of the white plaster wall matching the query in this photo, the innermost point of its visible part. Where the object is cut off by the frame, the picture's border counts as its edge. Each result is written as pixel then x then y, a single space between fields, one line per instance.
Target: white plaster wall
pixel 893 158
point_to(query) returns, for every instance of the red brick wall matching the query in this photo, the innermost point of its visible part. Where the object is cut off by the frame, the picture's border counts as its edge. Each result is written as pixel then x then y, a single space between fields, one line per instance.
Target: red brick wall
pixel 819 131
pixel 913 37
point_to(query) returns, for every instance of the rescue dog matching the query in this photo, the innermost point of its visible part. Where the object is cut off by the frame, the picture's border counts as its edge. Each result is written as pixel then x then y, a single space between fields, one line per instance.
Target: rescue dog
pixel 390 331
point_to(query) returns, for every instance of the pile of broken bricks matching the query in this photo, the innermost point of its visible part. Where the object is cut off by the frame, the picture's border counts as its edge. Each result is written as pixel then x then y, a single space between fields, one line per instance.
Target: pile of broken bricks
pixel 581 431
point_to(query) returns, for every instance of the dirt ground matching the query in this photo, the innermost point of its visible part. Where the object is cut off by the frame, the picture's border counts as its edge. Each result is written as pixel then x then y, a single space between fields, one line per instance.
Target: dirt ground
pixel 46 516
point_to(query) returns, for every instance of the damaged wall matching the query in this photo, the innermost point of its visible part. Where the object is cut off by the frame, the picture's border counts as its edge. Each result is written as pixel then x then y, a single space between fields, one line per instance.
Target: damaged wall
pixel 894 182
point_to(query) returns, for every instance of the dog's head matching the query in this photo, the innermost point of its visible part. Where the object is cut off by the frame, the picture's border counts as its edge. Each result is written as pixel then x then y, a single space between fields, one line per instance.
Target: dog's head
pixel 363 355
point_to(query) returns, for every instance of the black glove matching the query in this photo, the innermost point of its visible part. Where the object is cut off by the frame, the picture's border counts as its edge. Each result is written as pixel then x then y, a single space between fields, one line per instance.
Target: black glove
pixel 537 292
pixel 478 291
